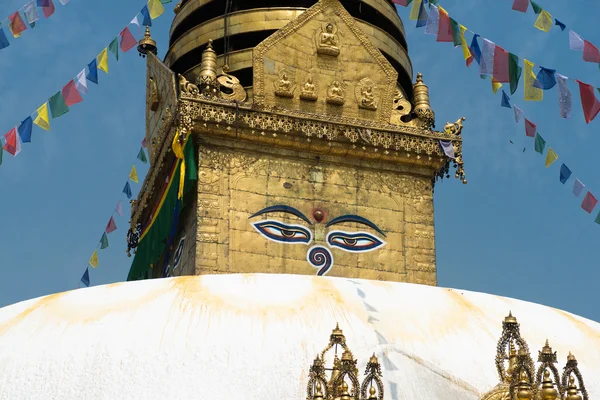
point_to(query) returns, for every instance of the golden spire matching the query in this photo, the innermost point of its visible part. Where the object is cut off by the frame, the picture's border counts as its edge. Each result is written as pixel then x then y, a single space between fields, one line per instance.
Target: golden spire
pixel 509 319
pixel 147 44
pixel 572 390
pixel 207 80
pixel 421 102
pixel 548 391
pixel 524 388
pixel 345 393
pixel 372 394
pixel 319 392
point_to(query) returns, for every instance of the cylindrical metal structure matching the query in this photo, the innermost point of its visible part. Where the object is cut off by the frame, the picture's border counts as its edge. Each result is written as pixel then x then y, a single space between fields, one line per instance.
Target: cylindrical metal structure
pixel 251 22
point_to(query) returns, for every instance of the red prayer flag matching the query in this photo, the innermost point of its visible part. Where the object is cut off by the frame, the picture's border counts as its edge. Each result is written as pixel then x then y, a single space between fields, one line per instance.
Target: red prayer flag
pixel 520 5
pixel 49 9
pixel 589 102
pixel 469 60
pixel 112 226
pixel 17 25
pixel 71 94
pixel 127 40
pixel 11 145
pixel 590 52
pixel 444 28
pixel 145 143
pixel 530 128
pixel 501 65
pixel 401 2
pixel 589 202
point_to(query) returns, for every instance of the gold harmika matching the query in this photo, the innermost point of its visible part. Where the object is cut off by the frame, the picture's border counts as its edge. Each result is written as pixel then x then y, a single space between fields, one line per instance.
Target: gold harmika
pixel 343 383
pixel 519 380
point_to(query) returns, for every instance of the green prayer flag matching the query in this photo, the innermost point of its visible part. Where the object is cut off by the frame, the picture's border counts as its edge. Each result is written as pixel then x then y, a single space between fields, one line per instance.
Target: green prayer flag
pixel 536 8
pixel 455 26
pixel 58 107
pixel 540 143
pixel 165 1
pixel 142 156
pixel 1 151
pixel 435 2
pixel 514 72
pixel 598 218
pixel 114 47
pixel 103 241
pixel 598 89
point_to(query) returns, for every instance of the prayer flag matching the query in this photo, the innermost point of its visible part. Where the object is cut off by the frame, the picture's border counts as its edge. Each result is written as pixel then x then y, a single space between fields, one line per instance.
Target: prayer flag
pixel 17 25
pixel 577 187
pixel 103 241
pixel 136 21
pixel 414 10
pixel 113 47
pixel 590 52
pixel 94 259
pixel 505 100
pixel 551 157
pixel 536 8
pixel 31 13
pixel 565 173
pixel 590 104
pixel 156 8
pixel 486 66
pixel 564 97
pixel 501 70
pixel 422 18
pixel 43 118
pixel 456 35
pixel 518 114
pixel 43 3
pixel 127 40
pixel 448 148
pixel 589 202
pixel 520 5
pixel 85 279
pixel 530 128
pixel 71 94
pixel 465 46
pixel 111 226
pixel 444 27
pixel 544 21
pixel 514 72
pixel 133 175
pixel 25 130
pixel 103 60
pixel 597 218
pixel 531 93
pixel 560 24
pixel 540 144
pixel 127 190
pixel 4 43
pixel 142 156
pixel 403 3
pixel 495 85
pixel 12 143
pixel 475 50
pixel 575 41
pixel 119 208
pixel 47 7
pixel 1 153
pixel 545 79
pixel 147 21
pixel 58 107
pixel 433 21
pixel 145 143
pixel 81 82
pixel 92 75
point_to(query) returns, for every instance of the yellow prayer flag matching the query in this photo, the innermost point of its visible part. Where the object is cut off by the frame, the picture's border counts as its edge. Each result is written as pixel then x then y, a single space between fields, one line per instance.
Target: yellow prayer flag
pixel 495 86
pixel 544 21
pixel 465 47
pixel 43 118
pixel 414 11
pixel 133 176
pixel 178 150
pixel 156 8
pixel 177 146
pixel 103 60
pixel 551 157
pixel 531 92
pixel 94 259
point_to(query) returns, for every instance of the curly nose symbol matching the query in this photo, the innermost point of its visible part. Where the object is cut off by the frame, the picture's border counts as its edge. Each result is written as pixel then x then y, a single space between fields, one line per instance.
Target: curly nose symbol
pixel 321 258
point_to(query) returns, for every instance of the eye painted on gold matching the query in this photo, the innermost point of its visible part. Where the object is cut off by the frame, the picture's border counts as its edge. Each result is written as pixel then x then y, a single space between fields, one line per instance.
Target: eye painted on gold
pixel 356 242
pixel 280 232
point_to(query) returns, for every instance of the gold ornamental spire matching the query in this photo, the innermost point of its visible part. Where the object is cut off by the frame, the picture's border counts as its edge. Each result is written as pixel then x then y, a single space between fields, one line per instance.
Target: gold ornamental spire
pixel 207 79
pixel 421 101
pixel 147 44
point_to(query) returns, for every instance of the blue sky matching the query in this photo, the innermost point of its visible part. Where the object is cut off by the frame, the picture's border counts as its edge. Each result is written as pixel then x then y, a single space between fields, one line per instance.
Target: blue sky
pixel 513 230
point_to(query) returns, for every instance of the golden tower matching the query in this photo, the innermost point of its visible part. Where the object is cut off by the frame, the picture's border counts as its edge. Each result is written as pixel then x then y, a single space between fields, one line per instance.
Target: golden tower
pixel 287 136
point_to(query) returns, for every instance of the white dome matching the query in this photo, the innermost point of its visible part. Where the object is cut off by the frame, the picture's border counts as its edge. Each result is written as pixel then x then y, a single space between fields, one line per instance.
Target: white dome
pixel 254 337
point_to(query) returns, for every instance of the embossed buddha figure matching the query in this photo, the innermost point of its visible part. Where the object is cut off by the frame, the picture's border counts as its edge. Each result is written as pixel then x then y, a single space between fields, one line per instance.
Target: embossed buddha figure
pixel 368 98
pixel 284 88
pixel 335 93
pixel 309 91
pixel 328 42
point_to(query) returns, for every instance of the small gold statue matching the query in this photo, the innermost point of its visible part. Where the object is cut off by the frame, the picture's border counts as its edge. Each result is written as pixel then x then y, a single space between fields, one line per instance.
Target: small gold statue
pixel 328 43
pixel 454 128
pixel 335 93
pixel 309 92
pixel 284 88
pixel 154 99
pixel 364 94
pixel 231 88
pixel 186 87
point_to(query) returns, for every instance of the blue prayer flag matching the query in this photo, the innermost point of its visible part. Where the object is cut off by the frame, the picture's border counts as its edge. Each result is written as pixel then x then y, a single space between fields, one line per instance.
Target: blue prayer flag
pixel 85 279
pixel 422 18
pixel 92 75
pixel 147 21
pixel 505 100
pixel 560 24
pixel 3 39
pixel 475 50
pixel 25 130
pixel 127 190
pixel 43 3
pixel 545 79
pixel 565 174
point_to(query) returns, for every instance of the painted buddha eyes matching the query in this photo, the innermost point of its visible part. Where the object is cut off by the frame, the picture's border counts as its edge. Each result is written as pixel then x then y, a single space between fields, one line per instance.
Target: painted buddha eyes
pixel 354 242
pixel 281 232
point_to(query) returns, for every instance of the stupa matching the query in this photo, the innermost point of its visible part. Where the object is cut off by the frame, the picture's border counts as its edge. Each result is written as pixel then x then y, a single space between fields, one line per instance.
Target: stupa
pixel 283 239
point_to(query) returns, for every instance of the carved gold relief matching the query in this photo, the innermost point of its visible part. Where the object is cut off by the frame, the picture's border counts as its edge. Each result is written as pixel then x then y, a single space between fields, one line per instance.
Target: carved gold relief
pixel 454 128
pixel 401 106
pixel 154 99
pixel 309 91
pixel 186 87
pixel 230 86
pixel 284 87
pixel 365 95
pixel 335 93
pixel 327 41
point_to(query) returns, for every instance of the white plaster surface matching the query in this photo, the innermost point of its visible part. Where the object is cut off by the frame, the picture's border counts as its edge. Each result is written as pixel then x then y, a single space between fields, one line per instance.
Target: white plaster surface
pixel 253 337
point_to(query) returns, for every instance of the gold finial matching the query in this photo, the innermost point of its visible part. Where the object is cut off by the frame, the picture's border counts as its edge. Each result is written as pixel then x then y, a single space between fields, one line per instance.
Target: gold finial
pixel 571 357
pixel 207 79
pixel 345 393
pixel 337 332
pixel 510 319
pixel 524 388
pixel 419 78
pixel 572 390
pixel 147 44
pixel 548 391
pixel 373 359
pixel 319 392
pixel 421 101
pixel 372 394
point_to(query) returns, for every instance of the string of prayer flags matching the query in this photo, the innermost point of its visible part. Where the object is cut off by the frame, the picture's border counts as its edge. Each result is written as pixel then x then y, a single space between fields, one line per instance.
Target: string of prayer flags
pixel 551 157
pixel 565 101
pixel 94 259
pixel 133 175
pixel 127 190
pixel 565 173
pixel 577 187
pixel 43 118
pixel 589 102
pixel 589 202
pixel 142 156
pixel 104 241
pixel 85 279
pixel 111 226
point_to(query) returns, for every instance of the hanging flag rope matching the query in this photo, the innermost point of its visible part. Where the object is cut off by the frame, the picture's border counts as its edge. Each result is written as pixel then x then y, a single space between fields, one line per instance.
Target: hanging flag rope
pixel 503 66
pixel 72 93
